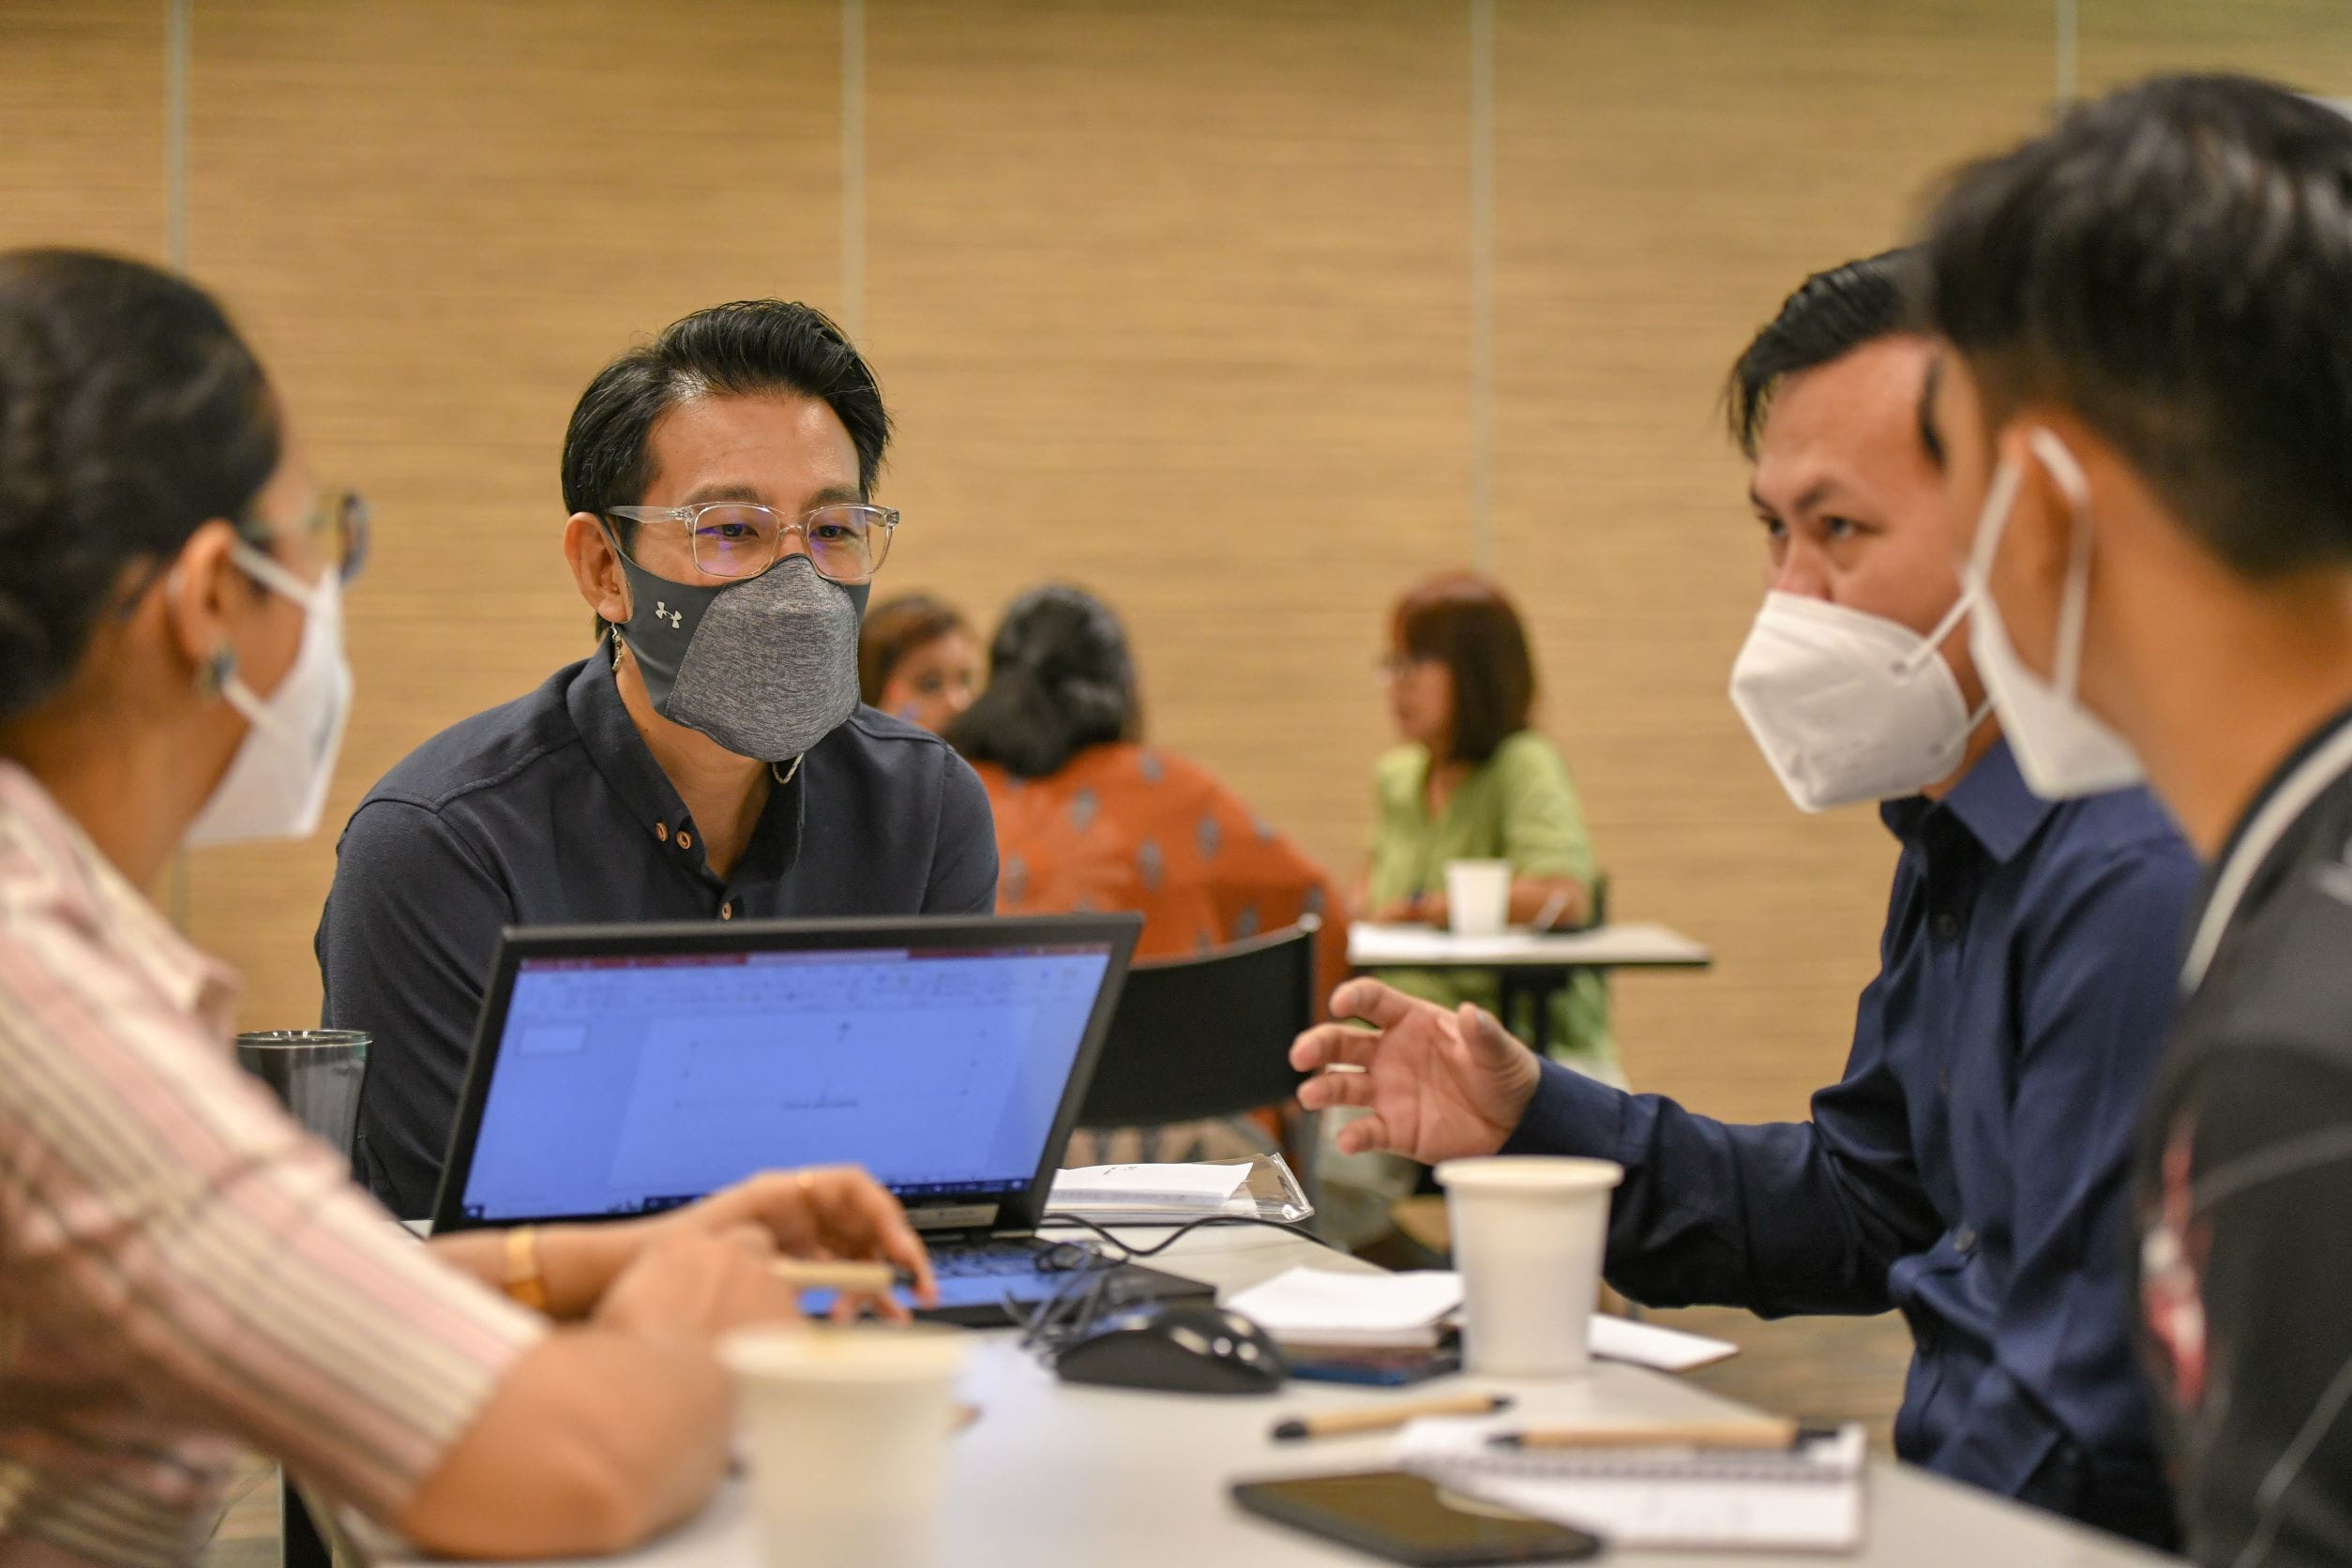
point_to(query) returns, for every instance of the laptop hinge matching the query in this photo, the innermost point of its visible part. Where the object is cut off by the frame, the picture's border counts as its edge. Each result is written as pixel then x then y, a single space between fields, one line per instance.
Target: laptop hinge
pixel 961 1216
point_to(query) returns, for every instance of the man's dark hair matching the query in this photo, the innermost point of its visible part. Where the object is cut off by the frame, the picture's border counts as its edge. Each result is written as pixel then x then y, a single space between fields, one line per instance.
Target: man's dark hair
pixel 131 413
pixel 895 629
pixel 750 347
pixel 2173 263
pixel 1059 679
pixel 1831 314
pixel 1468 624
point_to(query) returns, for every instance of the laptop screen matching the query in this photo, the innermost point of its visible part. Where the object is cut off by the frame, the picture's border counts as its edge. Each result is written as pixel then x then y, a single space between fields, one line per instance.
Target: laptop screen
pixel 625 1085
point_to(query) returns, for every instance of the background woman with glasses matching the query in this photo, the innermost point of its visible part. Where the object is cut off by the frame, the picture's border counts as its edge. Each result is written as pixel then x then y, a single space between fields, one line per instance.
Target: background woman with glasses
pixel 1474 781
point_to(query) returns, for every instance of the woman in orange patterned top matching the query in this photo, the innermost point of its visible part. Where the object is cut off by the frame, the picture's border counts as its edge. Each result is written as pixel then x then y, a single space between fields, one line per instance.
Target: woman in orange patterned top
pixel 1088 817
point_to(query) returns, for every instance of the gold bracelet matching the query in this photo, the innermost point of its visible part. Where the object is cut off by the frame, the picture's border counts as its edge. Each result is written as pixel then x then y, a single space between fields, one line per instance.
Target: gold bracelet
pixel 524 1282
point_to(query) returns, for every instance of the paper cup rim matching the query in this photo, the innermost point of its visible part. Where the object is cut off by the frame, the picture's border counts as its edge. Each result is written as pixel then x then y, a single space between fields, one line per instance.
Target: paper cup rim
pixel 1470 863
pixel 1529 1173
pixel 858 1353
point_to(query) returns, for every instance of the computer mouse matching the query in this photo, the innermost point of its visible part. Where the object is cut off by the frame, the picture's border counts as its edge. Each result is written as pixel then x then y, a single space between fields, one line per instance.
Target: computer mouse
pixel 1188 1345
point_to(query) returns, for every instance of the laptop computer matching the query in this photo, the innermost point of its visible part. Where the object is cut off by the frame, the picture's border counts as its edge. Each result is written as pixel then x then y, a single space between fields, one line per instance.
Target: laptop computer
pixel 621 1070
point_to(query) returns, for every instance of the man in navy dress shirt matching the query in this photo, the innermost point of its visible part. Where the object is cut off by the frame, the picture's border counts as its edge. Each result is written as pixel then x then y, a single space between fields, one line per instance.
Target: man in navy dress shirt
pixel 1969 1170
pixel 707 761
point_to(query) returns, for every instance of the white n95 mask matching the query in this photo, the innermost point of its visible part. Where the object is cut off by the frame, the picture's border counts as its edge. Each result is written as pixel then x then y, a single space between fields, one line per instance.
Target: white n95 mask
pixel 1848 707
pixel 276 786
pixel 2063 749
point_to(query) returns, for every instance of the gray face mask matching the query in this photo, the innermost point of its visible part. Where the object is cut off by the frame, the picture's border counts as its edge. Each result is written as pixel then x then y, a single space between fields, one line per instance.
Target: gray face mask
pixel 767 668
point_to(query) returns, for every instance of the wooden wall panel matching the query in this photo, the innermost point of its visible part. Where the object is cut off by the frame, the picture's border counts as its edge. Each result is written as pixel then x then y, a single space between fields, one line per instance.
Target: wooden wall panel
pixel 82 124
pixel 2305 43
pixel 439 219
pixel 1174 300
pixel 1667 173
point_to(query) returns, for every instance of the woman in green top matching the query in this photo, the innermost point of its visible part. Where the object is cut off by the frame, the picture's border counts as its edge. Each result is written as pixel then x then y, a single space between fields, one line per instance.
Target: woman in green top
pixel 1473 782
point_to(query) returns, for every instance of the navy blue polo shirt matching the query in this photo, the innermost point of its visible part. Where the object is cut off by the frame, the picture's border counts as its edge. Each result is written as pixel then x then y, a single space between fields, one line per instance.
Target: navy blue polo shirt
pixel 1971 1168
pixel 549 810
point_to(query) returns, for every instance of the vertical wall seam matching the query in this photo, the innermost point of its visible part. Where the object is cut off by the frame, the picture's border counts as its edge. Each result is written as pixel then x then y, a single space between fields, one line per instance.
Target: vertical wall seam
pixel 1481 259
pixel 2069 52
pixel 853 168
pixel 178 23
pixel 178 18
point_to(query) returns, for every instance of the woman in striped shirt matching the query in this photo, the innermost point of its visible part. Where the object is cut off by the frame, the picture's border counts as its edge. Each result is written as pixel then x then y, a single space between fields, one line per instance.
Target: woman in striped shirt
pixel 182 1270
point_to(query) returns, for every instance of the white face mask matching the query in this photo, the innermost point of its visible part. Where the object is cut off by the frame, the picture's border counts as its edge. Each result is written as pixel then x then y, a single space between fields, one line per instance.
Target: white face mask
pixel 276 785
pixel 2063 749
pixel 1848 707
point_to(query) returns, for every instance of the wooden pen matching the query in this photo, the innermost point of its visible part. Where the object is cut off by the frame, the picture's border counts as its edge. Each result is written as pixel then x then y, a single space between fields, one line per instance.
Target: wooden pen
pixel 1380 1418
pixel 864 1279
pixel 1740 1432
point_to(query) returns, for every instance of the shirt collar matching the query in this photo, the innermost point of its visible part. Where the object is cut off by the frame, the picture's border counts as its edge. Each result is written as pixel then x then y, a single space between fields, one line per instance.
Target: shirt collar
pixel 84 885
pixel 619 753
pixel 1991 801
pixel 2306 774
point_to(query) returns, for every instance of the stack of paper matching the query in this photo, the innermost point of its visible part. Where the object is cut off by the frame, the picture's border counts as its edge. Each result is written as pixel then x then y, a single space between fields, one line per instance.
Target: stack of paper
pixel 1127 1192
pixel 1355 1311
pixel 1411 1311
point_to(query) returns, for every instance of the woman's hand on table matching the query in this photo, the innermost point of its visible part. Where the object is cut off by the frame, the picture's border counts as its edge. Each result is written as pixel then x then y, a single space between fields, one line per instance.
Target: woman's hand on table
pixel 829 1211
pixel 699 1285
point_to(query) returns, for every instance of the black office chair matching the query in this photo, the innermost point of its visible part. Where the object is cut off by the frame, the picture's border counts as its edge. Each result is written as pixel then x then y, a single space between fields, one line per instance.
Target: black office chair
pixel 1209 1037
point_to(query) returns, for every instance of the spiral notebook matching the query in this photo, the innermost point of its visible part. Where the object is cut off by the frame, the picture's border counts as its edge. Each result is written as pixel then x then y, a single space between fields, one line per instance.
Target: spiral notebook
pixel 1808 1498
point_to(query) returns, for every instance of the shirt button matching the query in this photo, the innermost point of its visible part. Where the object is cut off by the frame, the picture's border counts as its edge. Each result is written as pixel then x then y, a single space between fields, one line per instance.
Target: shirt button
pixel 1963 1239
pixel 661 831
pixel 686 839
pixel 727 912
pixel 1948 927
pixel 1943 1083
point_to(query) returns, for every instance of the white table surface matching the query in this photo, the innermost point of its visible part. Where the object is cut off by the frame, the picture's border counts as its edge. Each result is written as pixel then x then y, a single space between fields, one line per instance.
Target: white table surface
pixel 1637 945
pixel 1063 1477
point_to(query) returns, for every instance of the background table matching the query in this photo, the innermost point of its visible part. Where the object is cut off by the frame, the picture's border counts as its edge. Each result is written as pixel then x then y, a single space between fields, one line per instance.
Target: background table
pixel 1535 965
pixel 1052 1477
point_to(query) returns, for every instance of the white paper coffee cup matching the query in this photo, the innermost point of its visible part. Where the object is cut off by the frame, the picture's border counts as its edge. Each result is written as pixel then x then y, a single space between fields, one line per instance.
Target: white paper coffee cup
pixel 847 1430
pixel 1477 895
pixel 1527 1234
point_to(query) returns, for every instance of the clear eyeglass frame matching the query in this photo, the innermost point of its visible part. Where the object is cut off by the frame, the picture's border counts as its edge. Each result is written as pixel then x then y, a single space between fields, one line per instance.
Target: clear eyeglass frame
pixel 338 528
pixel 847 541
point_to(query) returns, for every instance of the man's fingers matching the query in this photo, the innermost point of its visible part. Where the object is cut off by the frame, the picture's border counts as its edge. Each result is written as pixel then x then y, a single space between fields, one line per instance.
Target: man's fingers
pixel 1327 1043
pixel 1382 1006
pixel 1484 1041
pixel 1363 1136
pixel 1326 1089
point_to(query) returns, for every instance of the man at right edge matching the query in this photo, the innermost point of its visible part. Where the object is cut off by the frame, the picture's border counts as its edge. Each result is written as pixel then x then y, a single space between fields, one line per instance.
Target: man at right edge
pixel 2146 394
pixel 1969 1168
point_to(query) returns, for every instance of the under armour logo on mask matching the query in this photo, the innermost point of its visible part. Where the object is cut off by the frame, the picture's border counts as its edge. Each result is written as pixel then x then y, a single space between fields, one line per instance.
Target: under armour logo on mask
pixel 663 613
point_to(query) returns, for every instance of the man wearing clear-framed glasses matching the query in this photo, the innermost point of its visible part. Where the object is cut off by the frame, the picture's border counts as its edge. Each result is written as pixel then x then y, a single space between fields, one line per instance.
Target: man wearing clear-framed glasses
pixel 708 761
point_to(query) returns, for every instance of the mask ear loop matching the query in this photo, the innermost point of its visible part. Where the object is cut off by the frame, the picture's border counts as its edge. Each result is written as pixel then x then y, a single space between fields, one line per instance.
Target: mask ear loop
pixel 1930 647
pixel 2074 600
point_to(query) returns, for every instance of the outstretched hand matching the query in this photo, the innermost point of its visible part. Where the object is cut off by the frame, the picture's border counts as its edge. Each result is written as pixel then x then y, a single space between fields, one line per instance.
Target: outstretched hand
pixel 1438 1084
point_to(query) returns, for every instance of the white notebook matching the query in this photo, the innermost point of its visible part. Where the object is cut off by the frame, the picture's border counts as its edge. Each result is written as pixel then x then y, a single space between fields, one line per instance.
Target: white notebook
pixel 1806 1498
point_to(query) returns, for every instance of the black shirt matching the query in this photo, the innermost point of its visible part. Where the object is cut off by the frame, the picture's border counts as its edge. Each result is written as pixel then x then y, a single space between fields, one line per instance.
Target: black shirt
pixel 2245 1180
pixel 549 810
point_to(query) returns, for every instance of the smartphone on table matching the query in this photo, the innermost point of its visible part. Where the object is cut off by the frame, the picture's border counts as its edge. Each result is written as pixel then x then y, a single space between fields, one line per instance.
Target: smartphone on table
pixel 1402 1518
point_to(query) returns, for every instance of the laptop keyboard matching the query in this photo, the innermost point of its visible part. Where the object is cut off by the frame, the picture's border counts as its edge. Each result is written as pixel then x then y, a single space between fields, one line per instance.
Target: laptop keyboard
pixel 970 1260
